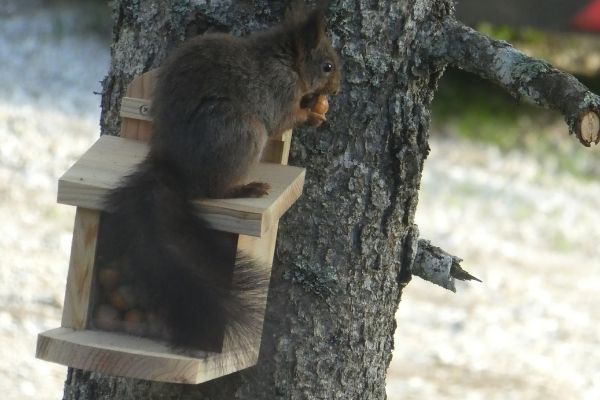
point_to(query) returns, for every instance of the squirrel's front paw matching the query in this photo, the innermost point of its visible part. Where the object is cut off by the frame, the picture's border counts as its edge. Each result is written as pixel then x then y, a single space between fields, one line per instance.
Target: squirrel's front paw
pixel 315 119
pixel 252 189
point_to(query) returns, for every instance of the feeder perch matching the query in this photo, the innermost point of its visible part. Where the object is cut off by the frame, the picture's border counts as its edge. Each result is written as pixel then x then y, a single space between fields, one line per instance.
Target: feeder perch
pixel 251 223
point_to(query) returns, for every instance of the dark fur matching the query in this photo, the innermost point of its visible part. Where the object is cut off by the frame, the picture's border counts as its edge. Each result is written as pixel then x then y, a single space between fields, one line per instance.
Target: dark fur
pixel 217 100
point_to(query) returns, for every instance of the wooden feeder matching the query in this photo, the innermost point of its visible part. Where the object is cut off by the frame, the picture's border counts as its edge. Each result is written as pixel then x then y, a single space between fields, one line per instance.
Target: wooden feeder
pixel 252 222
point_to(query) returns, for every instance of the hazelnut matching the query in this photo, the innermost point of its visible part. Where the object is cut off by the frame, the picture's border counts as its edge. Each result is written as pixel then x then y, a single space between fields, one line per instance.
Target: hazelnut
pixel 109 277
pixel 107 318
pixel 123 298
pixel 321 106
pixel 134 322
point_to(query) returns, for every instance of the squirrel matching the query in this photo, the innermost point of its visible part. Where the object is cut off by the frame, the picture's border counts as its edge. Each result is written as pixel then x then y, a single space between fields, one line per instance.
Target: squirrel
pixel 217 100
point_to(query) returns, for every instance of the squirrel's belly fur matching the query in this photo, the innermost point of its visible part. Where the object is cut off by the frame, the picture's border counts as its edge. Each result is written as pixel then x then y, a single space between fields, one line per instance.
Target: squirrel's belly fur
pixel 206 135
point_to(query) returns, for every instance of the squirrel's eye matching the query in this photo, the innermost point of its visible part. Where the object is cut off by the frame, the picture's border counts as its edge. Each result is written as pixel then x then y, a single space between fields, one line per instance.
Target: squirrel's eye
pixel 327 67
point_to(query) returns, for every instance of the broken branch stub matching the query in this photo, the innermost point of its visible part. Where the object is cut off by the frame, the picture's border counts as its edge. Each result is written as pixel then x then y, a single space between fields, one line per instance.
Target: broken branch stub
pixel 438 266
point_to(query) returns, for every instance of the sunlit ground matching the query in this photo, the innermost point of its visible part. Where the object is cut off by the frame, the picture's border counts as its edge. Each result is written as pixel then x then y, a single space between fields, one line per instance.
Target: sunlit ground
pixel 51 65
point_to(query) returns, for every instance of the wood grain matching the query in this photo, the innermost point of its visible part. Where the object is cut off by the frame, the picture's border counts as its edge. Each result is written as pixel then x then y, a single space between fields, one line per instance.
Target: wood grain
pixel 278 149
pixel 590 127
pixel 125 355
pixel 79 278
pixel 111 158
pixel 141 88
pixel 135 108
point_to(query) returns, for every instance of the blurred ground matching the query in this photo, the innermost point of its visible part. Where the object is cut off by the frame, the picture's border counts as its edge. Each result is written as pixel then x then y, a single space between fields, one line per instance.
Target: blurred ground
pixel 525 221
pixel 530 330
pixel 51 65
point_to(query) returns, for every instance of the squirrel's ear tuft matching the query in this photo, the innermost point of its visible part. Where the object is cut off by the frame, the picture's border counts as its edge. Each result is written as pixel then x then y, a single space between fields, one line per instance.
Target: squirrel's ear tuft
pixel 307 28
pixel 313 29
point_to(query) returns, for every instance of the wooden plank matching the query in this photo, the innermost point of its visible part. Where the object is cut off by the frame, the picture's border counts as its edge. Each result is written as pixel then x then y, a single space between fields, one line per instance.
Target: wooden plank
pixel 101 168
pixel 278 149
pixel 135 108
pixel 136 129
pixel 273 152
pixel 261 249
pixel 141 87
pixel 81 264
pixel 125 355
pixel 287 143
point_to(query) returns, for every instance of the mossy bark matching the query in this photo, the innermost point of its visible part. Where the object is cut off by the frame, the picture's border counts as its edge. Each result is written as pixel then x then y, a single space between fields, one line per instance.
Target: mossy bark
pixel 345 249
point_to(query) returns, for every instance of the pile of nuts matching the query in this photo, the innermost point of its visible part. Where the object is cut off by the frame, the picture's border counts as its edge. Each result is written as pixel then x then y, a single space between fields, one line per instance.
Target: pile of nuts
pixel 122 306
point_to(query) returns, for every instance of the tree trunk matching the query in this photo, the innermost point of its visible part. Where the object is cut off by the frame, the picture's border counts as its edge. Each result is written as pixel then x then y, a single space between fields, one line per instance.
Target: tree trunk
pixel 344 251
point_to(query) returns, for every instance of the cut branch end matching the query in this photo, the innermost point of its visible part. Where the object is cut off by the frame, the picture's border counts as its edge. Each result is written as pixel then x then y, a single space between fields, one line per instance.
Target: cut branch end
pixel 589 128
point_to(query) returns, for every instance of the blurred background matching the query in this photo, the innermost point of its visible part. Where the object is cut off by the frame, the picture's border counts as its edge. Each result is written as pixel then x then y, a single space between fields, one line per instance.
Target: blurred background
pixel 504 187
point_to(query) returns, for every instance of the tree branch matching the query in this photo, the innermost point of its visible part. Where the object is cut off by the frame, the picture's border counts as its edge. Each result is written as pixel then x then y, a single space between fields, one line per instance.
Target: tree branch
pixel 522 76
pixel 437 266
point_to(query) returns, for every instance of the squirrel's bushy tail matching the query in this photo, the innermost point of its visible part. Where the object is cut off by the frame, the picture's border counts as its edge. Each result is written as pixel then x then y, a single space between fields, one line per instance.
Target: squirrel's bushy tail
pixel 184 269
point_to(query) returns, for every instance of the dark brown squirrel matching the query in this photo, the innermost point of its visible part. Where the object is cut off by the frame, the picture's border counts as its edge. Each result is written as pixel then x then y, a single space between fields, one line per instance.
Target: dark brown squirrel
pixel 218 99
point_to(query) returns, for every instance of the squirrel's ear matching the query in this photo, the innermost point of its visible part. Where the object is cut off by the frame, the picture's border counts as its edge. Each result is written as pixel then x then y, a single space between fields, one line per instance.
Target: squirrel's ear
pixel 312 30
